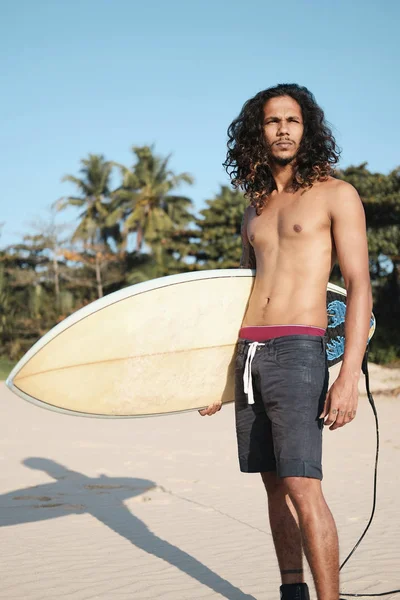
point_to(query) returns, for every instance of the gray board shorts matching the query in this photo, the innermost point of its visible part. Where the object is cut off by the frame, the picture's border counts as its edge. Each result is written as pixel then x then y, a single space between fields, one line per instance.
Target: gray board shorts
pixel 282 430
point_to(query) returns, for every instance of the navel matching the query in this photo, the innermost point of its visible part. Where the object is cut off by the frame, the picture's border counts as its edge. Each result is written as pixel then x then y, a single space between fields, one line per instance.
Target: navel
pixel 297 228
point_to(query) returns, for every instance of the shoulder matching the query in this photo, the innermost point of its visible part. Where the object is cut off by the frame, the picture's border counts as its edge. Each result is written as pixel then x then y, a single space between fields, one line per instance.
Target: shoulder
pixel 341 196
pixel 339 188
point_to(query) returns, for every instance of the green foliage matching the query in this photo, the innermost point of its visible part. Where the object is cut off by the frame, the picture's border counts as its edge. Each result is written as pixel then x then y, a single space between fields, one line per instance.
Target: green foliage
pixel 66 302
pixel 144 203
pixel 94 188
pixel 7 311
pixel 218 244
pixel 381 198
pixel 382 352
pixel 44 278
pixel 6 366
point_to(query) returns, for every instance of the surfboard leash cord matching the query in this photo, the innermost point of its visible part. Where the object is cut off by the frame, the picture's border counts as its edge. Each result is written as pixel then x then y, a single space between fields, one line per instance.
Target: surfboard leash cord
pixel 372 403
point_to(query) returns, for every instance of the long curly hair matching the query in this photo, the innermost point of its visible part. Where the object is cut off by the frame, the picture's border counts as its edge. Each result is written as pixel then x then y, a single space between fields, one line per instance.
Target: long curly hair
pixel 247 156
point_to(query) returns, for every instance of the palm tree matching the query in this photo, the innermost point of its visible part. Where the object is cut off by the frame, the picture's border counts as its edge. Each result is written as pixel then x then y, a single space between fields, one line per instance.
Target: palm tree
pixel 144 202
pixel 94 188
pixel 218 244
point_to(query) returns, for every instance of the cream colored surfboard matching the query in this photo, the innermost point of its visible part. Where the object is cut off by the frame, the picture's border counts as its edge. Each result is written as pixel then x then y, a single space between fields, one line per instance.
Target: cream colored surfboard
pixel 162 346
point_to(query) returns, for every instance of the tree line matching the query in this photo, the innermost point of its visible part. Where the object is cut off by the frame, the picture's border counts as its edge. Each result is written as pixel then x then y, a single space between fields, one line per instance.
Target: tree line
pixel 143 228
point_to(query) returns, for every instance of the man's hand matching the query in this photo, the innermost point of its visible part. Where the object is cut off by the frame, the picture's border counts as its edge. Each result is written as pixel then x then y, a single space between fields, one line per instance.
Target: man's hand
pixel 341 403
pixel 211 410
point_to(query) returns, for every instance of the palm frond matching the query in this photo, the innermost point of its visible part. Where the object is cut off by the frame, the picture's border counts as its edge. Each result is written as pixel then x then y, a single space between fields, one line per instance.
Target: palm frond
pixel 79 183
pixel 65 202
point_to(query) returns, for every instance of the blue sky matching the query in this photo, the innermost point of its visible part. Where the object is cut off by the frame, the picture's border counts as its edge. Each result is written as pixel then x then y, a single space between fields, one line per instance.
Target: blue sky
pixel 99 76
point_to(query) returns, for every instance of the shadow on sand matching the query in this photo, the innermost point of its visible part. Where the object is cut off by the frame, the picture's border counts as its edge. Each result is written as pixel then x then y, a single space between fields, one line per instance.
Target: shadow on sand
pixel 103 498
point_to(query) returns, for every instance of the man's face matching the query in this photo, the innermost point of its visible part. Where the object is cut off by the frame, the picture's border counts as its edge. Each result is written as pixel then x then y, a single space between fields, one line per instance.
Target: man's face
pixel 283 128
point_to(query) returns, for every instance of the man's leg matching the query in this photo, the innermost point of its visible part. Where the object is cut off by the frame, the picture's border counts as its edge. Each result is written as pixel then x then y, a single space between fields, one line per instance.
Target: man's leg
pixel 285 529
pixel 318 534
pixel 294 392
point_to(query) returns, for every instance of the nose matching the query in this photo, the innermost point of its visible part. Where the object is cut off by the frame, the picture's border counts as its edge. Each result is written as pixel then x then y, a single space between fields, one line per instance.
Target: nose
pixel 283 128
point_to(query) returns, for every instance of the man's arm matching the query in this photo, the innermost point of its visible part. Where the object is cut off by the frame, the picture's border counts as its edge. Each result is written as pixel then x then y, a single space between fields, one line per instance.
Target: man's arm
pixel 349 233
pixel 248 259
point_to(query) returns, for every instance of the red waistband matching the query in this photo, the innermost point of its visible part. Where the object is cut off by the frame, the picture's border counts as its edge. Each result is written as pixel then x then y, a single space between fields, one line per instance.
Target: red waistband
pixel 267 332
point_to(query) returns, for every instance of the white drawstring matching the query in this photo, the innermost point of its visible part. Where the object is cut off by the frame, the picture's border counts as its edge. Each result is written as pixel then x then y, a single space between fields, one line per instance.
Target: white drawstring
pixel 247 378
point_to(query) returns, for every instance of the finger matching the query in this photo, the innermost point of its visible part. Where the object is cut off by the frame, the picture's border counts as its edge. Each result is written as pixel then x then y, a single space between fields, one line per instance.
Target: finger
pixel 325 410
pixel 342 419
pixel 210 410
pixel 336 425
pixel 205 411
pixel 339 422
pixel 350 415
pixel 332 416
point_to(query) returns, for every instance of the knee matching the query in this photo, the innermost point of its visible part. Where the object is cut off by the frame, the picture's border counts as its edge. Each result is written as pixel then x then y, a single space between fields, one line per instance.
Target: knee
pixel 274 486
pixel 304 492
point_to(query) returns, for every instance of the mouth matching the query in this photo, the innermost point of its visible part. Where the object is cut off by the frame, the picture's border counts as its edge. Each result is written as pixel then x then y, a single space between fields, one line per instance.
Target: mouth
pixel 284 145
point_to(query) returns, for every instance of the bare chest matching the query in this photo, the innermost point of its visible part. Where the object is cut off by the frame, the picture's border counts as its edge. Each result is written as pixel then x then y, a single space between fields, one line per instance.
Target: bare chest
pixel 299 222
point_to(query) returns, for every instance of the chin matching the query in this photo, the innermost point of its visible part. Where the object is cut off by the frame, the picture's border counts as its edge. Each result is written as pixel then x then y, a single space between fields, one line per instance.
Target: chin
pixel 283 160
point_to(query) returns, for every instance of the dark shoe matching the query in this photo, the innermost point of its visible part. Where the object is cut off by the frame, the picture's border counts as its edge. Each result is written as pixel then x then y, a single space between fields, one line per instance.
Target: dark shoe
pixel 294 591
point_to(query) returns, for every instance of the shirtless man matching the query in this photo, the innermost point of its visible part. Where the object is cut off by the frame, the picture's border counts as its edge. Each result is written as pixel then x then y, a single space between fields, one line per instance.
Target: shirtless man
pixel 299 221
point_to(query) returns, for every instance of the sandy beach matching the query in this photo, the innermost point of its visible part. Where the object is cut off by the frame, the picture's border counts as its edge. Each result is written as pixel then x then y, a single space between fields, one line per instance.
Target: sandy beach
pixel 157 508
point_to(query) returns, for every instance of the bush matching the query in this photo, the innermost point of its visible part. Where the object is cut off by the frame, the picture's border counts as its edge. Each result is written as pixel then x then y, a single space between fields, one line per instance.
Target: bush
pixel 6 367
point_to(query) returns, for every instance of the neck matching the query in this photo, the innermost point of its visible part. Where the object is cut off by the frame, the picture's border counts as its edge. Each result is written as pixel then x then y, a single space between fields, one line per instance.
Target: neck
pixel 283 177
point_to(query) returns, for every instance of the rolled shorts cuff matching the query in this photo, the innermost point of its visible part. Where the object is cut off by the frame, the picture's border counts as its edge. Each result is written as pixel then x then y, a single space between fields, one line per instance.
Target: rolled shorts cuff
pixel 299 468
pixel 255 466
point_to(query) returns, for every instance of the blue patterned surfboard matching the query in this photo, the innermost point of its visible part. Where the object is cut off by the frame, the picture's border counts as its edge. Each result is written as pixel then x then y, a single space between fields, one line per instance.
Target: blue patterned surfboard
pixel 336 309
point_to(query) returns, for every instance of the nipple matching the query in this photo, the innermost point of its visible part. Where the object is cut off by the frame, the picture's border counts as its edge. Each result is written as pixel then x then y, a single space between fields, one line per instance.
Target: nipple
pixel 297 228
